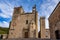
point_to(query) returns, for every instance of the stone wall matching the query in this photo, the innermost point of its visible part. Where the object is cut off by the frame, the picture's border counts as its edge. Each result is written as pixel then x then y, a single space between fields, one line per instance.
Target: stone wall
pixel 54 21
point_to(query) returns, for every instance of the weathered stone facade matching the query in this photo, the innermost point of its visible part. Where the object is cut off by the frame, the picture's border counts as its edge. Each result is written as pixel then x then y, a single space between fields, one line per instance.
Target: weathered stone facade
pixel 54 23
pixel 24 25
pixel 42 27
pixel 44 33
pixel 47 33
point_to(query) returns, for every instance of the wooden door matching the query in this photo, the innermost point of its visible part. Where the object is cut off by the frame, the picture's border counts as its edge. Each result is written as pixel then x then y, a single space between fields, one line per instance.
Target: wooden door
pixel 26 34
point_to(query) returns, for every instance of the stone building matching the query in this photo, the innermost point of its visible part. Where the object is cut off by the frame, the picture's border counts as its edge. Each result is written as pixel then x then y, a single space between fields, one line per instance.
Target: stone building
pixel 44 33
pixel 54 23
pixel 24 25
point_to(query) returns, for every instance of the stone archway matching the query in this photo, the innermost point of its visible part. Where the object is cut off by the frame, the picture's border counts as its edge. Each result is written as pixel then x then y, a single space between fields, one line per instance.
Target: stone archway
pixel 57 34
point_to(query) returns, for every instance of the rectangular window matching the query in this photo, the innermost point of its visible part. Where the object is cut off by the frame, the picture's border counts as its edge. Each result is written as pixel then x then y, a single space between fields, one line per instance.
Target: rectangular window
pixel 26 21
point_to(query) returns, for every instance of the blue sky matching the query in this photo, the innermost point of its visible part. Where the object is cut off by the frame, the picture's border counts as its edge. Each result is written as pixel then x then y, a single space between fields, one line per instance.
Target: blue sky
pixel 44 8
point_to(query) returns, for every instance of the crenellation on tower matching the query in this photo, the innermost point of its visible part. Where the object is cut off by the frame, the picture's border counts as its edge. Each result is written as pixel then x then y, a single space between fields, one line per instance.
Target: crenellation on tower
pixel 18 10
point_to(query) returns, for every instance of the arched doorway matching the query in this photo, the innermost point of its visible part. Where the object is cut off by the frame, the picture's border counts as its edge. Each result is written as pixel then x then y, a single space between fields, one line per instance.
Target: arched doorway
pixel 25 33
pixel 57 34
pixel 39 35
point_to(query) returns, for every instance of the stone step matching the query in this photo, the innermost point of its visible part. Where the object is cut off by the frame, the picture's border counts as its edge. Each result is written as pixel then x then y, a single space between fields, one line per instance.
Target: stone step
pixel 28 39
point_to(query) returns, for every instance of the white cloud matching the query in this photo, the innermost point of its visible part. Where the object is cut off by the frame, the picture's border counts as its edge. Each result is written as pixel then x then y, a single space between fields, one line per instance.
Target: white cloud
pixel 4 24
pixel 47 8
pixel 46 24
pixel 6 9
pixel 4 15
pixel 56 1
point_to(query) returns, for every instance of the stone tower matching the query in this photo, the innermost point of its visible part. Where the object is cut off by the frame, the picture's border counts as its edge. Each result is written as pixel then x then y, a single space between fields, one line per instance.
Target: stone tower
pixel 44 33
pixel 42 27
pixel 24 25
